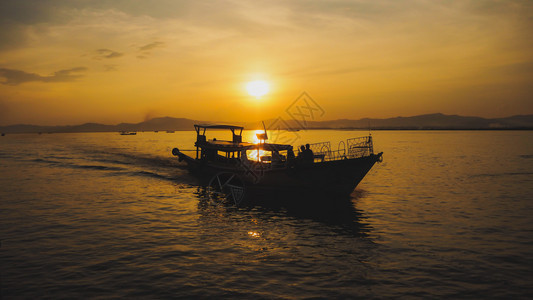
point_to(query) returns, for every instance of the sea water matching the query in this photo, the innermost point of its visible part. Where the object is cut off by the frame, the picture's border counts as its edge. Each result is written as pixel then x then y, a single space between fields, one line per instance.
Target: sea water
pixel 448 214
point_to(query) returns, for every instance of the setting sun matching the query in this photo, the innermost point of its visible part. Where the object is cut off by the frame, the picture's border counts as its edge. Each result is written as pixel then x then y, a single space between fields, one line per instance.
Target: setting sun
pixel 257 88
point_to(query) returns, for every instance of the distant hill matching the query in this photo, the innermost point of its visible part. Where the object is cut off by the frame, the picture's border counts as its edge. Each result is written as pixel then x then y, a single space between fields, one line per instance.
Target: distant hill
pixel 165 123
pixel 422 122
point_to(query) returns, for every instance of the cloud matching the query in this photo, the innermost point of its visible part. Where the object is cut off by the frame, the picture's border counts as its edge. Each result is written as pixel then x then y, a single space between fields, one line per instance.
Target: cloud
pixel 19 20
pixel 151 46
pixel 16 77
pixel 146 49
pixel 106 54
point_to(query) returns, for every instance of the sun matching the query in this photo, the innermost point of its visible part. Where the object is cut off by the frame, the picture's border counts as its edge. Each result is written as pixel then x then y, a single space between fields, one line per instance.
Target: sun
pixel 257 88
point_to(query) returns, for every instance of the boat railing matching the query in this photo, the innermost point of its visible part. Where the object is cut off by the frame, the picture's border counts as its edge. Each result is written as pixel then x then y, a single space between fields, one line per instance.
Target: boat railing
pixel 359 147
pixel 320 148
pixel 352 148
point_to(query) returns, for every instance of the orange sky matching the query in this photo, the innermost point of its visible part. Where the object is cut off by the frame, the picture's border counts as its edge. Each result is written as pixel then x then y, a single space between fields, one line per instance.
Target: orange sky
pixel 71 62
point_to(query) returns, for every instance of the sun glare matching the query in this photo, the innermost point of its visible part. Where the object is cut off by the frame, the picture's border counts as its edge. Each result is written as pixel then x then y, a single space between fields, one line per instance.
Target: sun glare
pixel 257 88
pixel 255 138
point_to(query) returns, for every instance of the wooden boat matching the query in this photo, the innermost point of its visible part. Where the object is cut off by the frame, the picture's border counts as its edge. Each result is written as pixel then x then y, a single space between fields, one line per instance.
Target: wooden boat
pixel 235 168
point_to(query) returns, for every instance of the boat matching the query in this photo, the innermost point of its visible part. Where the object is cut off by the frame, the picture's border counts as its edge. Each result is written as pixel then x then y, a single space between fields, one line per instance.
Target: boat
pixel 233 168
pixel 128 133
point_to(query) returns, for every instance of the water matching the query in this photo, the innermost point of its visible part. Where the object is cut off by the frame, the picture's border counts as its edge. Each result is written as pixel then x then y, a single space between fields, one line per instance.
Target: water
pixel 99 215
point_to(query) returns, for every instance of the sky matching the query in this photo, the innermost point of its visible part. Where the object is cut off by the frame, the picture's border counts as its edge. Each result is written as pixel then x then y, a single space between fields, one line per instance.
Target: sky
pixel 76 61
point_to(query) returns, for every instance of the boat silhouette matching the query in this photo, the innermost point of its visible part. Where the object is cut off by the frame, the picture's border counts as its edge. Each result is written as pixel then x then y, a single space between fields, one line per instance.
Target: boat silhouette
pixel 233 169
pixel 128 133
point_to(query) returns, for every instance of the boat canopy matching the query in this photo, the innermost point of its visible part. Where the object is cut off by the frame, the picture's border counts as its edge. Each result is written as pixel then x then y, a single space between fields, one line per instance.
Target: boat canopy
pixel 219 126
pixel 235 145
pixel 236 131
pixel 227 146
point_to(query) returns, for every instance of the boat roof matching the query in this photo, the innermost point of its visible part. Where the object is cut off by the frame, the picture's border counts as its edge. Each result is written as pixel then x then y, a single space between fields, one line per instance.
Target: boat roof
pixel 236 144
pixel 228 146
pixel 218 126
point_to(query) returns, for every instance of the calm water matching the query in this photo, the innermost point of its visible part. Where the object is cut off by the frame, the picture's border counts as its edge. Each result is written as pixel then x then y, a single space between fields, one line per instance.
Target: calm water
pixel 446 215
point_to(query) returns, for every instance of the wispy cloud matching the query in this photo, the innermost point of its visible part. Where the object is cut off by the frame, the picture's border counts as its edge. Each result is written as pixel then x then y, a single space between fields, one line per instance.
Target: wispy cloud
pixel 107 53
pixel 146 50
pixel 16 77
pixel 151 46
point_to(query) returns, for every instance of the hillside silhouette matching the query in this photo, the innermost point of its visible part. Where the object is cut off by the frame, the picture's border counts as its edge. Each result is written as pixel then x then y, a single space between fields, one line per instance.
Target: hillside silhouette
pixel 436 121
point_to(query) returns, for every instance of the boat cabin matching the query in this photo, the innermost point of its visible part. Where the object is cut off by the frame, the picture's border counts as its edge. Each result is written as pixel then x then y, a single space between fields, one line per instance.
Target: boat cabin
pixel 235 150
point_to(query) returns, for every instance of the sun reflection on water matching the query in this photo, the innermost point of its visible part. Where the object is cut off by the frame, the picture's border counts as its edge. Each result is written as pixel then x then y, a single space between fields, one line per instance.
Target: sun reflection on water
pixel 254 234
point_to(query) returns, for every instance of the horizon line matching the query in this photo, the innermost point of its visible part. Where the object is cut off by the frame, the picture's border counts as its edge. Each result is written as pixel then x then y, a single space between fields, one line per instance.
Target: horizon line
pixel 330 120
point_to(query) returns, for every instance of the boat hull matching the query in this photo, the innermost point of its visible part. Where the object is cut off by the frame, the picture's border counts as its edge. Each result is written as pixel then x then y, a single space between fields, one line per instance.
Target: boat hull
pixel 339 177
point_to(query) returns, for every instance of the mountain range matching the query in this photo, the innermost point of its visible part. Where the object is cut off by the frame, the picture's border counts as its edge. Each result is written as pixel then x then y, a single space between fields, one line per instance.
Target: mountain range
pixel 436 121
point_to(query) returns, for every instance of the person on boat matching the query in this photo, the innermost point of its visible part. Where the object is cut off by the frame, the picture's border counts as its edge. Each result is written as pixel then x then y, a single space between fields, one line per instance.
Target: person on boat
pixel 301 152
pixel 308 154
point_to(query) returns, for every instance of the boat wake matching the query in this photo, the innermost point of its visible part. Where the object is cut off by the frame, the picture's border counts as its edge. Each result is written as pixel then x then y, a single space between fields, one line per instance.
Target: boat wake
pixel 119 163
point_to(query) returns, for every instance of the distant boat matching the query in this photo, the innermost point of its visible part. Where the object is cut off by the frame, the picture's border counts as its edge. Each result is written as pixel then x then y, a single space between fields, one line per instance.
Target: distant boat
pixel 3 134
pixel 170 131
pixel 232 167
pixel 128 133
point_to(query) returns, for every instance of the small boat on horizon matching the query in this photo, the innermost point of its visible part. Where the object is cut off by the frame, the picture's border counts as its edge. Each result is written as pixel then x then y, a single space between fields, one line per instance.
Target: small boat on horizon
pixel 128 133
pixel 231 169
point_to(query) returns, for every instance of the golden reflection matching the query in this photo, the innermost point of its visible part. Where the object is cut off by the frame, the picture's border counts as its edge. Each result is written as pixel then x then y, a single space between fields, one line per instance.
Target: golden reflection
pixel 254 234
pixel 256 155
pixel 256 140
